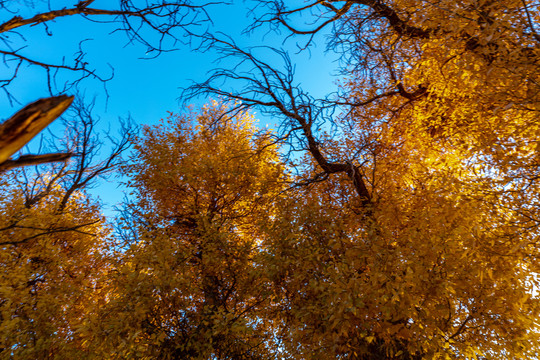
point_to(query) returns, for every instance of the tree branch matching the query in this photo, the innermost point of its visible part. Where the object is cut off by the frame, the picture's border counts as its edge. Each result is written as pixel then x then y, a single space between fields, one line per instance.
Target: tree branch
pixel 28 122
pixel 29 160
pixel 83 9
pixel 50 231
pixel 274 92
pixel 377 6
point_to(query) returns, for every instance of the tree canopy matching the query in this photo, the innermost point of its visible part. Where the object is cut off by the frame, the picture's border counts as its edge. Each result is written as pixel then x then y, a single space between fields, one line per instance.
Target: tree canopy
pixel 395 219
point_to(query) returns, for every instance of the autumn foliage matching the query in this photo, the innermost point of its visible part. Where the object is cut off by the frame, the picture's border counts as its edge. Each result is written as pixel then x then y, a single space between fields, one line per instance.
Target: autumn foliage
pixel 398 219
pixel 191 282
pixel 53 265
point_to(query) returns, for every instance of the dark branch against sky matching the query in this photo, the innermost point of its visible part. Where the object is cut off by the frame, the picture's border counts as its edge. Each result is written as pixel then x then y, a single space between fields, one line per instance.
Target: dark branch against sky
pixel 128 77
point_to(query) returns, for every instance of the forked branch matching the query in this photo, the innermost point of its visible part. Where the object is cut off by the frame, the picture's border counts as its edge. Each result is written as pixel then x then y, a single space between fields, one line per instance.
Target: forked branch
pixel 275 93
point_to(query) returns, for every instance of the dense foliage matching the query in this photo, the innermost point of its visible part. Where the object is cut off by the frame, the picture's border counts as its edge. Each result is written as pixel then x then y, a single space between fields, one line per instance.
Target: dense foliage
pixel 398 219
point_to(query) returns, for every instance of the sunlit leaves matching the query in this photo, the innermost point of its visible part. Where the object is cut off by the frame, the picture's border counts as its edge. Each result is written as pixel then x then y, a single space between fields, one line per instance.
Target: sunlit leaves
pixel 51 270
pixel 191 285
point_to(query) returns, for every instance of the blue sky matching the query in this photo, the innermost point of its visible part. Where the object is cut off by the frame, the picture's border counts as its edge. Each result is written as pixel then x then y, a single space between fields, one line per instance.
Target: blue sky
pixel 146 89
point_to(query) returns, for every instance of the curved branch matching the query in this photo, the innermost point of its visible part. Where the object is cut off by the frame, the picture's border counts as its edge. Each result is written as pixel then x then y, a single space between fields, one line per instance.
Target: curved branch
pixel 380 9
pixel 151 23
pixel 83 9
pixel 274 92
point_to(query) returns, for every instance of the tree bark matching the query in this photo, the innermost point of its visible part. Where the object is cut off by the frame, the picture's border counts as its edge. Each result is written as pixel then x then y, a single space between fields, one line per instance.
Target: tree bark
pixel 18 130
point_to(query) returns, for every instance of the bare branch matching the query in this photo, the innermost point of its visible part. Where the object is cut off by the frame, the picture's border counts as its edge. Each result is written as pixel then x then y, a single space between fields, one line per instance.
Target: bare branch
pixel 80 143
pixel 274 92
pixel 30 160
pixel 127 10
pixel 157 25
pixel 334 10
pixel 86 146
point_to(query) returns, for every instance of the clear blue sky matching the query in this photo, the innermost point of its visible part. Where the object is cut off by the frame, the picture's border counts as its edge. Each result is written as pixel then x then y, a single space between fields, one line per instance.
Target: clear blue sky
pixel 146 89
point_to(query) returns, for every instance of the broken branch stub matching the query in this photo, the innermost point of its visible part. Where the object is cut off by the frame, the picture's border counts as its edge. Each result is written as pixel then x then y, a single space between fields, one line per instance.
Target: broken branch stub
pixel 18 130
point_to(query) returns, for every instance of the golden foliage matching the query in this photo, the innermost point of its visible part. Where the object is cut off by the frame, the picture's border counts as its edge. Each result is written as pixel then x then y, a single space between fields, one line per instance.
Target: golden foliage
pixel 411 232
pixel 191 285
pixel 52 268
